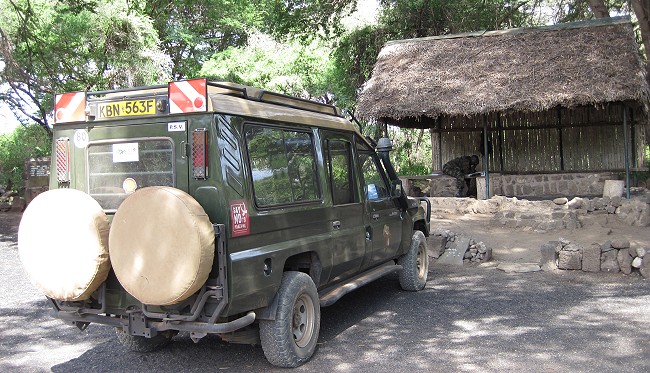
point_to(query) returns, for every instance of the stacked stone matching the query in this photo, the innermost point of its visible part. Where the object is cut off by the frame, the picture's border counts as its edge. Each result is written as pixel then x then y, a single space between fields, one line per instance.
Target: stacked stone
pixel 477 252
pixel 558 219
pixel 632 212
pixel 440 240
pixel 611 256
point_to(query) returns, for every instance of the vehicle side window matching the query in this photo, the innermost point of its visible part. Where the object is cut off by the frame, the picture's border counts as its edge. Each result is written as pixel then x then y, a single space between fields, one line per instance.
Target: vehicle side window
pixel 339 161
pixel 374 185
pixel 283 166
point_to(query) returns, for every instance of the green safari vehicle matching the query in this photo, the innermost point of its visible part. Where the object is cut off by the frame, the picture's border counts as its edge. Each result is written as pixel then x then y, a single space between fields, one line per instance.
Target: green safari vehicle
pixel 215 208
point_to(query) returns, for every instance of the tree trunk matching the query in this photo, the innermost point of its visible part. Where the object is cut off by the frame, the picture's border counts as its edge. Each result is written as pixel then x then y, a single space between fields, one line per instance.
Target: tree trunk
pixel 598 8
pixel 642 11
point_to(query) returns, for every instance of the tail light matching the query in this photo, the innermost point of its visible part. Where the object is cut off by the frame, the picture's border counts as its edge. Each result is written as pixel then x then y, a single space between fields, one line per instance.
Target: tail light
pixel 200 154
pixel 63 160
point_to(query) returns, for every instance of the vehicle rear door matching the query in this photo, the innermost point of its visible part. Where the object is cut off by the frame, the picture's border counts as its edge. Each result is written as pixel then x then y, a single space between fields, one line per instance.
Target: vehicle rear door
pixel 125 155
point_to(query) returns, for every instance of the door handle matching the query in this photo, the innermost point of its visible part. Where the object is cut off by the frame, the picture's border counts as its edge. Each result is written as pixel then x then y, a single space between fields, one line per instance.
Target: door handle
pixel 336 224
pixel 375 216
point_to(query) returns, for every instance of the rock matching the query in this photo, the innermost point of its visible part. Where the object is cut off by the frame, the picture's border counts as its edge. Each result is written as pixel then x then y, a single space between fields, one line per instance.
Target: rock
pixel 455 254
pixel 591 258
pixel 620 243
pixel 624 261
pixel 481 247
pixel 488 254
pixel 561 201
pixel 641 251
pixel 609 261
pixel 615 201
pixel 572 247
pixel 569 260
pixel 636 263
pixel 564 241
pixel 606 246
pixel 597 203
pixel 519 267
pixel 548 261
pixel 575 203
pixel 645 266
pixel 468 255
pixel 610 209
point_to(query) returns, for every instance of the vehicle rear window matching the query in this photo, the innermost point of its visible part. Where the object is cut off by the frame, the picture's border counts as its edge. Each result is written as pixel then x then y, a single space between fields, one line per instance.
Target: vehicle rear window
pixel 115 168
pixel 282 165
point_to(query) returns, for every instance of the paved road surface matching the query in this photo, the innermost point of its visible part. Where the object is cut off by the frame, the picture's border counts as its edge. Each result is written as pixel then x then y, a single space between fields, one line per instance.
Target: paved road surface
pixel 466 320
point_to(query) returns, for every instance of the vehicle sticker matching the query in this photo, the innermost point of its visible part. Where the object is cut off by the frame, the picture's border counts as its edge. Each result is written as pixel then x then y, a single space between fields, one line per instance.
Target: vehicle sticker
pixel 240 218
pixel 129 185
pixel 126 152
pixel 175 126
pixel 81 138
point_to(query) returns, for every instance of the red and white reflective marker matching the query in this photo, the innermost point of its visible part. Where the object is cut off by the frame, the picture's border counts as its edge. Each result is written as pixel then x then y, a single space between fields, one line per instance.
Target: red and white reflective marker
pixel 188 96
pixel 70 107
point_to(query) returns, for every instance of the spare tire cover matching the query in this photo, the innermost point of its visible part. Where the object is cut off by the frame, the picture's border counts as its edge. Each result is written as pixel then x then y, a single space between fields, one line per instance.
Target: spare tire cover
pixel 63 244
pixel 161 245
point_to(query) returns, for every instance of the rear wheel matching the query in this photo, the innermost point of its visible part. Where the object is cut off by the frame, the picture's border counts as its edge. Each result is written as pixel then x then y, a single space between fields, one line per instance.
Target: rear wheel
pixel 415 264
pixel 143 344
pixel 290 339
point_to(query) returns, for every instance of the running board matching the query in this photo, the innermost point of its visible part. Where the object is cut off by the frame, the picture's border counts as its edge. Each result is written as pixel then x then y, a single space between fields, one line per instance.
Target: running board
pixel 331 295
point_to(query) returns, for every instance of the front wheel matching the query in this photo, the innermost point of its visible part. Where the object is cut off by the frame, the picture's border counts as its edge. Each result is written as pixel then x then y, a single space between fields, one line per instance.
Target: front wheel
pixel 290 339
pixel 415 264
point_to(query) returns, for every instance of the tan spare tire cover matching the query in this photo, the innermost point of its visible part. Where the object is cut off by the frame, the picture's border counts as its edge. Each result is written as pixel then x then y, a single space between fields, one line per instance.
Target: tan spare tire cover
pixel 161 245
pixel 63 244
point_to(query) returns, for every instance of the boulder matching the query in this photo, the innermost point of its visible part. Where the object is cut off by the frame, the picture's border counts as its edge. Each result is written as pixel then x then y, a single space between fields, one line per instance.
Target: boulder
pixel 624 261
pixel 570 260
pixel 645 266
pixel 636 263
pixel 561 201
pixel 548 260
pixel 591 258
pixel 609 261
pixel 620 243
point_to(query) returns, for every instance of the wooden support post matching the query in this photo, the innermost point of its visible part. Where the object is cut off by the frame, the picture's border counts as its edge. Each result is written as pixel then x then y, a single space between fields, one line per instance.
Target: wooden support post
pixel 435 150
pixel 500 141
pixel 559 136
pixel 626 139
pixel 486 157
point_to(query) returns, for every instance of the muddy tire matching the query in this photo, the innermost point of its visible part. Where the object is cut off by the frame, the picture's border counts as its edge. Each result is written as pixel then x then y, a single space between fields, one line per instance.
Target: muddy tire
pixel 290 339
pixel 415 264
pixel 142 344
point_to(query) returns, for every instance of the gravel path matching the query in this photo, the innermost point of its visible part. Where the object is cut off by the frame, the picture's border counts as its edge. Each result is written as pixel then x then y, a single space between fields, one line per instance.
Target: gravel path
pixel 467 319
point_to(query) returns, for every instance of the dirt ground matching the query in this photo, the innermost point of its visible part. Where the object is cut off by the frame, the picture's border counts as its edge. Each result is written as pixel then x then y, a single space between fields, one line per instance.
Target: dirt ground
pixel 521 245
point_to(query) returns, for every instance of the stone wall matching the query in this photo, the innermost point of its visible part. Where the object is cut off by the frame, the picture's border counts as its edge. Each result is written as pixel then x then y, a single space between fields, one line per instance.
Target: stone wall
pixel 565 184
pixel 611 256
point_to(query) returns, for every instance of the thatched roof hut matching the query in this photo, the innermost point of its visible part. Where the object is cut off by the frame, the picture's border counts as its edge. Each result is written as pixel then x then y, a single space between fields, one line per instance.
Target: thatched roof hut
pixel 563 77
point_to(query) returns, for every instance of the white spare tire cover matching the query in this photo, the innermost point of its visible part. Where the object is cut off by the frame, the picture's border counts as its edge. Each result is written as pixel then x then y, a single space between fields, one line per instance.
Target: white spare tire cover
pixel 63 244
pixel 161 245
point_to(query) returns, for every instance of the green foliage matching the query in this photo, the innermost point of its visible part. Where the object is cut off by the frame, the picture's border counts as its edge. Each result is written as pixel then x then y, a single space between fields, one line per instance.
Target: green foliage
pixel 286 19
pixel 561 11
pixel 353 61
pixel 291 68
pixel 51 46
pixel 412 151
pixel 419 18
pixel 15 148
pixel 191 31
